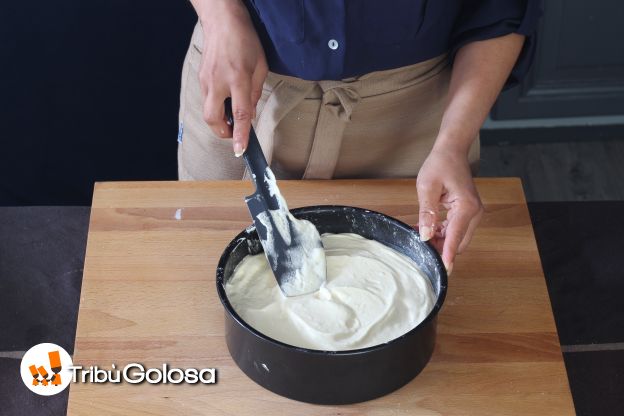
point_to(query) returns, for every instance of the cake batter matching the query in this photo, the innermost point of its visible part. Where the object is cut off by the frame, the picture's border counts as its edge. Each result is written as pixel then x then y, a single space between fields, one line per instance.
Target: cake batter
pixel 372 295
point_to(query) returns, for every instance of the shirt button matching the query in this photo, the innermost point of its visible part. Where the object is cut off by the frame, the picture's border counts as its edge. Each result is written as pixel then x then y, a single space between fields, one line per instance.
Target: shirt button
pixel 333 44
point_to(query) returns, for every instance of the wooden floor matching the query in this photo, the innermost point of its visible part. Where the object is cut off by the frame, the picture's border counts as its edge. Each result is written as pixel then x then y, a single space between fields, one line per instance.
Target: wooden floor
pixel 560 171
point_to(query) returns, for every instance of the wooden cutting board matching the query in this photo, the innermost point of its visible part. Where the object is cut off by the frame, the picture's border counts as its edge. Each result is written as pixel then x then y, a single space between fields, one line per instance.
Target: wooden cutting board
pixel 148 296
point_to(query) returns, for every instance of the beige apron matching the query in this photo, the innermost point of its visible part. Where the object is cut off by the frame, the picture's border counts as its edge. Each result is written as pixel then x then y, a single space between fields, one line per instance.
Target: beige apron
pixel 379 125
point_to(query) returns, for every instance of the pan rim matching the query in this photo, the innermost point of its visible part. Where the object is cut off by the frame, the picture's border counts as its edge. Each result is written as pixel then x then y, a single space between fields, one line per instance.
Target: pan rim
pixel 245 233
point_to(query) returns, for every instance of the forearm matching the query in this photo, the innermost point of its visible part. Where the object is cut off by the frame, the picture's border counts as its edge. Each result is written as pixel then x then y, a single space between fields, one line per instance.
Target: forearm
pixel 207 9
pixel 479 73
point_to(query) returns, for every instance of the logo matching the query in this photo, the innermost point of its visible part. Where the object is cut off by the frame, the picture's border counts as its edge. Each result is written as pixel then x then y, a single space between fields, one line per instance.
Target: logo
pixel 46 369
pixel 136 373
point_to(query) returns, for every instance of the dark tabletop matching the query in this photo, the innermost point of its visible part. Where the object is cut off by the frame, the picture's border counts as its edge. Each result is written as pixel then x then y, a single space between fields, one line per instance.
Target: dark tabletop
pixel 581 245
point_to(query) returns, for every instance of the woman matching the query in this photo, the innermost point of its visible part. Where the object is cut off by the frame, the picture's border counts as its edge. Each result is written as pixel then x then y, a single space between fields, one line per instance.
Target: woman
pixel 353 89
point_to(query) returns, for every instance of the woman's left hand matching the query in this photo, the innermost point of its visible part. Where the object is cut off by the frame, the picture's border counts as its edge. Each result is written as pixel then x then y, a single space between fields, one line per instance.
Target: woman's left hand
pixel 445 181
pixel 480 70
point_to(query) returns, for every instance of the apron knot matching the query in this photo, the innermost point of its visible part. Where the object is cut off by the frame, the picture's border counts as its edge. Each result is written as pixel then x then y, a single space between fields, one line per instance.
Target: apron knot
pixel 339 99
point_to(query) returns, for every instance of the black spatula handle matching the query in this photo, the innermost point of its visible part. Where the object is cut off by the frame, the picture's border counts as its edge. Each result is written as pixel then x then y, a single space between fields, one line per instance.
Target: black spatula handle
pixel 255 159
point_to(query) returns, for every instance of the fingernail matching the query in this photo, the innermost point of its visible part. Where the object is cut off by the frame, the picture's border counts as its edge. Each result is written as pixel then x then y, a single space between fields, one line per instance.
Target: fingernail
pixel 238 149
pixel 449 269
pixel 426 233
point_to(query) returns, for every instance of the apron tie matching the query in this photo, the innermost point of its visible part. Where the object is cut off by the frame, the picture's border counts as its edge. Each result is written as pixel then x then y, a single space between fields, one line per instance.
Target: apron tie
pixel 337 105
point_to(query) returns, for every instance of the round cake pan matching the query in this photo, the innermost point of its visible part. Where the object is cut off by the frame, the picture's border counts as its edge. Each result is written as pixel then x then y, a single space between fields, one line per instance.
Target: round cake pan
pixel 335 377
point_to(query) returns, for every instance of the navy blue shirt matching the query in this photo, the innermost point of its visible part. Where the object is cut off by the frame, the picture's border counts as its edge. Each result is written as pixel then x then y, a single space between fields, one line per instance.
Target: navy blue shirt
pixel 336 39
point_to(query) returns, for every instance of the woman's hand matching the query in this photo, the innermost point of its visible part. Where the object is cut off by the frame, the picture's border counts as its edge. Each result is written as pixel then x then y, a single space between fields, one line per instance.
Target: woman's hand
pixel 445 181
pixel 233 65
pixel 479 71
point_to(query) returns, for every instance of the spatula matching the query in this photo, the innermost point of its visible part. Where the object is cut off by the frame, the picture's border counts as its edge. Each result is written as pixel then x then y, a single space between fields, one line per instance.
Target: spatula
pixel 293 247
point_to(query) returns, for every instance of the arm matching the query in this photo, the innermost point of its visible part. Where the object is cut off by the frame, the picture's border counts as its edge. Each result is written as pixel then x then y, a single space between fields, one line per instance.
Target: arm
pixel 233 65
pixel 479 73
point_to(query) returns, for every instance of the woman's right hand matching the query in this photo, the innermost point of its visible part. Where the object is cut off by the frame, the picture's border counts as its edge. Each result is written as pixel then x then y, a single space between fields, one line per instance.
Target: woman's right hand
pixel 233 65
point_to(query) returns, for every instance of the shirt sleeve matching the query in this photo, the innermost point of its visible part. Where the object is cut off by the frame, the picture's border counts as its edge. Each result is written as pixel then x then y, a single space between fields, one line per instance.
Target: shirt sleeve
pixel 487 19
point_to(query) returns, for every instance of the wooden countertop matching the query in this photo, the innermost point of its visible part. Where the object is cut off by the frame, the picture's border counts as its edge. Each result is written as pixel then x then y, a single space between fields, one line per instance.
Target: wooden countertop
pixel 148 296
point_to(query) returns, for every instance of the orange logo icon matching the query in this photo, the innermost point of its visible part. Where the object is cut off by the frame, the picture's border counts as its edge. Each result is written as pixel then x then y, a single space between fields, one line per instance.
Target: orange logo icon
pixel 45 369
pixel 55 366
